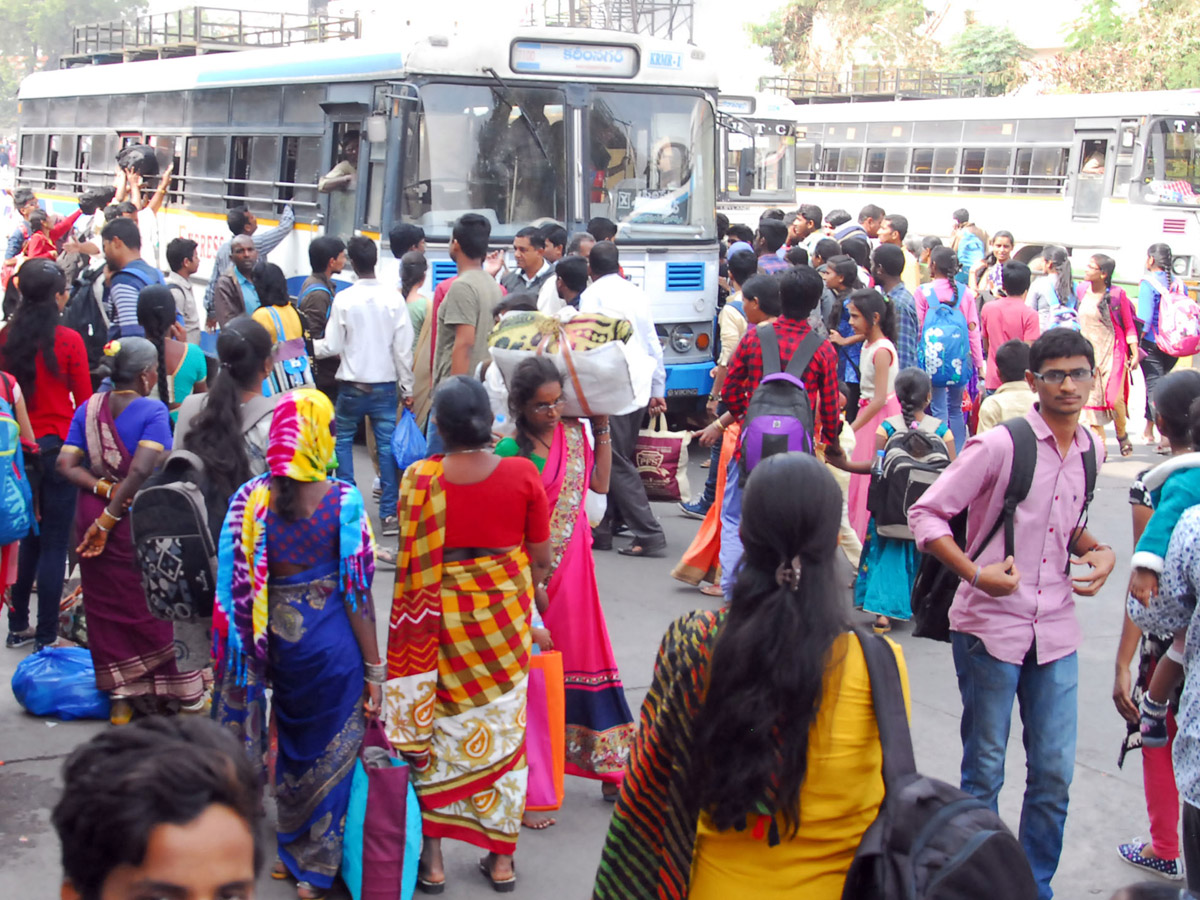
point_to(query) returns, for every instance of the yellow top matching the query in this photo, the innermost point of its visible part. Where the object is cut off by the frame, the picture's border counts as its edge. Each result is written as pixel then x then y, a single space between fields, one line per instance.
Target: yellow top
pixel 839 799
pixel 292 326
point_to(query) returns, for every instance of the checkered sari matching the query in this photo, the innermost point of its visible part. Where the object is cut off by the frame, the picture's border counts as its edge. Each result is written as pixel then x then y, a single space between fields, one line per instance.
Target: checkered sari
pixel 458 659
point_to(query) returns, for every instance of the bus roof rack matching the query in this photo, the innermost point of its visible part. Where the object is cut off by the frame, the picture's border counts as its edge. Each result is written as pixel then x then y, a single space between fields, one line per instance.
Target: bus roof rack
pixel 201 29
pixel 867 83
pixel 668 19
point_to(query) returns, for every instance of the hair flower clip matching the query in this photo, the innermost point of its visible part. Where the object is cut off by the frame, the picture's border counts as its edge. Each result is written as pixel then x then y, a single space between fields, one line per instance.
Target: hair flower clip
pixel 112 348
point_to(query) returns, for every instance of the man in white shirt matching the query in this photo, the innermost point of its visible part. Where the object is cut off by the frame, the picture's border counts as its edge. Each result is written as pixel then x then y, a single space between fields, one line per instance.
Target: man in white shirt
pixel 612 295
pixel 369 328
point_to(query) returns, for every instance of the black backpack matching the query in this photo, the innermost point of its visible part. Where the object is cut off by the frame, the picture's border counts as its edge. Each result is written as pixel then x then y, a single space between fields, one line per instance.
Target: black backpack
pixel 930 841
pixel 85 314
pixel 935 586
pixel 173 541
pixel 779 418
pixel 912 461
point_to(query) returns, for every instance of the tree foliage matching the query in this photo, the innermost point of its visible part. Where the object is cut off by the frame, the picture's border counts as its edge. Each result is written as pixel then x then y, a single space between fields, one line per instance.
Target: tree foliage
pixel 991 51
pixel 829 34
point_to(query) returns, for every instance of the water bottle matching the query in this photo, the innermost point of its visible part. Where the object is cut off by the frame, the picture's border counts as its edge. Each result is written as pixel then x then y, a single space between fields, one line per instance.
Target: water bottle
pixel 877 466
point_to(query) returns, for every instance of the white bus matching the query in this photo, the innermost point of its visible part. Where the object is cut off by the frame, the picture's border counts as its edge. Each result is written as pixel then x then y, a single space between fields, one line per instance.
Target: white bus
pixel 1109 173
pixel 538 125
pixel 758 150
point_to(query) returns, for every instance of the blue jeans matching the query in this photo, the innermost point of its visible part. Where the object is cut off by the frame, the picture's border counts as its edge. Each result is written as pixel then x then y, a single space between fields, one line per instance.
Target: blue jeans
pixel 379 402
pixel 730 554
pixel 1046 695
pixel 433 441
pixel 947 406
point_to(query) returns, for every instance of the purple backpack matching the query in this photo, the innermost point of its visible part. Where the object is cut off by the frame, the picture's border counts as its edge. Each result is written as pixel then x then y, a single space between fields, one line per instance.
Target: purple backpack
pixel 779 418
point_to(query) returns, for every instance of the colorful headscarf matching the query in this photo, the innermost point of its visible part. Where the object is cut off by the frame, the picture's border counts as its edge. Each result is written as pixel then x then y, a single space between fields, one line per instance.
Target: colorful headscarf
pixel 301 448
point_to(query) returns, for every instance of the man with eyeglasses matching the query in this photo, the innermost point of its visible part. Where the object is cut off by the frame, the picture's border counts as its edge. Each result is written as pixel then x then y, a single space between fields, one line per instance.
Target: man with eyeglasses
pixel 1013 626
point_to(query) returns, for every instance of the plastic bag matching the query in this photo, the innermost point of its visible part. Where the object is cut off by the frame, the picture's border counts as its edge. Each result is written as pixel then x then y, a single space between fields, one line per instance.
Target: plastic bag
pixel 60 681
pixel 139 158
pixel 408 444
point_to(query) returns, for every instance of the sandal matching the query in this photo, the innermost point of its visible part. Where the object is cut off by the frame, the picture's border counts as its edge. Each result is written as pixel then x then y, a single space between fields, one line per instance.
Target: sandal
pixel 1125 444
pixel 430 887
pixel 882 625
pixel 305 891
pixel 501 885
pixel 639 550
pixel 279 871
pixel 712 590
pixel 121 712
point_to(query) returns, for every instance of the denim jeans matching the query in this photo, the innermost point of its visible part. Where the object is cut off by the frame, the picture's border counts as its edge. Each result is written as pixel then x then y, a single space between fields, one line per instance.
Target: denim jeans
pixel 1047 697
pixel 730 554
pixel 379 402
pixel 709 497
pixel 433 441
pixel 43 557
pixel 947 406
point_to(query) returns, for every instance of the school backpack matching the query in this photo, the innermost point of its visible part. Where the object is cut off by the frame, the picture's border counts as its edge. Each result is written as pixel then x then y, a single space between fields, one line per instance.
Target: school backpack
pixel 173 542
pixel 945 347
pixel 84 313
pixel 930 840
pixel 779 418
pixel 935 585
pixel 1178 320
pixel 16 495
pixel 912 461
pixel 1060 314
pixel 292 367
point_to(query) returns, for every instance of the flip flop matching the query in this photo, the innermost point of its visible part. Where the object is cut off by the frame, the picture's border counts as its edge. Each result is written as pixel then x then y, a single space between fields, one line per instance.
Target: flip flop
pixel 430 887
pixel 500 886
pixel 712 590
pixel 279 871
pixel 639 550
pixel 305 891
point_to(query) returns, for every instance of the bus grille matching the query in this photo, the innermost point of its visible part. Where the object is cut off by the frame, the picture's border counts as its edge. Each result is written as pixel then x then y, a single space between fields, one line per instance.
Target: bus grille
pixel 685 276
pixel 1174 226
pixel 443 269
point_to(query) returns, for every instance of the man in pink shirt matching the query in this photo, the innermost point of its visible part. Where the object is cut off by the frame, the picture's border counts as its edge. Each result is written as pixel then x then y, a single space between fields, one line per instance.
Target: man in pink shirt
pixel 1013 627
pixel 1007 318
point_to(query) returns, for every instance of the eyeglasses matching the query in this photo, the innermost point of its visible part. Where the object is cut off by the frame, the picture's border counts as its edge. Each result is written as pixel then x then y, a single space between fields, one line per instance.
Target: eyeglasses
pixel 1058 376
pixel 543 408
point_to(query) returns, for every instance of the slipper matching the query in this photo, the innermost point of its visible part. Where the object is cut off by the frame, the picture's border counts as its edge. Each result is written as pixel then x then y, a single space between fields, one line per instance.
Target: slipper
pixel 609 798
pixel 642 550
pixel 501 886
pixel 706 463
pixel 884 628
pixel 279 871
pixel 430 887
pixel 1125 444
pixel 712 590
pixel 306 891
pixel 385 557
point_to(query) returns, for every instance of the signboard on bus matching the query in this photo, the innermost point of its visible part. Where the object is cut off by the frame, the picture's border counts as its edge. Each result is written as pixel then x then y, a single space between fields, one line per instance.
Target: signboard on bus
pixel 554 58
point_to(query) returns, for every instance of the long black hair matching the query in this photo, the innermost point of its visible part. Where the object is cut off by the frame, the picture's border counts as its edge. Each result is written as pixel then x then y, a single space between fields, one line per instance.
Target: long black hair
pixel 871 305
pixel 527 379
pixel 943 263
pixel 1107 265
pixel 215 435
pixel 156 315
pixel 913 389
pixel 1174 396
pixel 271 284
pixel 1057 257
pixel 1164 259
pixel 413 267
pixel 31 329
pixel 774 649
pixel 845 267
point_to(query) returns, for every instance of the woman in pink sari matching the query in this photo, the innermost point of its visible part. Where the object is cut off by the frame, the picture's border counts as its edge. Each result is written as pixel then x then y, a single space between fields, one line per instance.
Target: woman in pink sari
pixel 600 726
pixel 1106 319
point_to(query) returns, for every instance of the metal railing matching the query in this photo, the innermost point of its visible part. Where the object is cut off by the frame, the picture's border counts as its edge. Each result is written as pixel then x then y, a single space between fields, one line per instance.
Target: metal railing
pixel 206 28
pixel 874 83
pixel 669 19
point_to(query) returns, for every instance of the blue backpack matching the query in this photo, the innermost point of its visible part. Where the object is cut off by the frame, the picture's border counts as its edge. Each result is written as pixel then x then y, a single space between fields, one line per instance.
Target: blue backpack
pixel 16 496
pixel 945 345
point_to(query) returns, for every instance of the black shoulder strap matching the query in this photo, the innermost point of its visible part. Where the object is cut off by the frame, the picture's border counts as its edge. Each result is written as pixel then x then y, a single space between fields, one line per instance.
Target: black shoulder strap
pixel 887 697
pixel 769 341
pixel 1020 480
pixel 798 364
pixel 1089 490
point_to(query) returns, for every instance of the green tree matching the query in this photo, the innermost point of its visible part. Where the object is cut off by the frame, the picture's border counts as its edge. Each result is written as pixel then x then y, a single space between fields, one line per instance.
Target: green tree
pixel 991 51
pixel 1099 22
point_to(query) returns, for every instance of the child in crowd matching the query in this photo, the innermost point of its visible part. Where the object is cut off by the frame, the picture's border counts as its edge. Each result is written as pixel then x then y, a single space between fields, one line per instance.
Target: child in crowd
pixel 1006 317
pixel 880 589
pixel 1013 397
pixel 1170 487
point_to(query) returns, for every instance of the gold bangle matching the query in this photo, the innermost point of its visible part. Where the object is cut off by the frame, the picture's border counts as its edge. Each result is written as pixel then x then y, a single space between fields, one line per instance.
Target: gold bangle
pixel 112 521
pixel 721 426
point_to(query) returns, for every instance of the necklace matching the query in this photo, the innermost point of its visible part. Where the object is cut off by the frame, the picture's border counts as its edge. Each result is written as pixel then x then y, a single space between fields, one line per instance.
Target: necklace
pixel 475 450
pixel 123 392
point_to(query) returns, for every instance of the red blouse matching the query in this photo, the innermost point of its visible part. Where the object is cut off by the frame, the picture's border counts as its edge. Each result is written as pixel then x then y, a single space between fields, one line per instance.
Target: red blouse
pixel 55 398
pixel 506 509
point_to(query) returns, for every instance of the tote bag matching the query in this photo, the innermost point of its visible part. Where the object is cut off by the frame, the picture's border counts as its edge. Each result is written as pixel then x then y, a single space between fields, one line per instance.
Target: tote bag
pixel 661 457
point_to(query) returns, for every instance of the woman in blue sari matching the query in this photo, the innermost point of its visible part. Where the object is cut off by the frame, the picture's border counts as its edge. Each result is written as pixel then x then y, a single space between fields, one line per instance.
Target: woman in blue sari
pixel 294 612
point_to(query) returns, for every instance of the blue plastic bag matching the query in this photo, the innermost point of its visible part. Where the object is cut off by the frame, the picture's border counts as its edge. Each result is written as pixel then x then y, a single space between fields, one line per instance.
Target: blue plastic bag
pixel 408 444
pixel 61 682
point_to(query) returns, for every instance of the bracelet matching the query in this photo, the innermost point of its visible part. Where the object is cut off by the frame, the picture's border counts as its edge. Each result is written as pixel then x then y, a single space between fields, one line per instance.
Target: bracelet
pixel 975 580
pixel 599 431
pixel 721 426
pixel 112 521
pixel 100 525
pixel 103 488
pixel 375 673
pixel 603 443
pixel 713 397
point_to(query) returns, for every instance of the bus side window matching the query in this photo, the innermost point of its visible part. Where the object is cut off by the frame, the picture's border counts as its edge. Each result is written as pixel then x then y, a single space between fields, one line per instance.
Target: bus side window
pixel 299 170
pixel 1092 157
pixel 204 173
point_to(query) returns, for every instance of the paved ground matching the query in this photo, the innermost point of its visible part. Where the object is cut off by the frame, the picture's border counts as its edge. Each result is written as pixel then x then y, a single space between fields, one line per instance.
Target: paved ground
pixel 640 601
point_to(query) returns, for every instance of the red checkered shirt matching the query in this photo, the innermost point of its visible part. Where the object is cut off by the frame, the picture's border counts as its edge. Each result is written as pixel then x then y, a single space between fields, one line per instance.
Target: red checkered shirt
pixel 820 378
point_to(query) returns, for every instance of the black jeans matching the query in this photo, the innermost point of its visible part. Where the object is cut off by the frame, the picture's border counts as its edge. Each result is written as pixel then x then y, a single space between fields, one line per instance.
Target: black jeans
pixel 1191 846
pixel 1154 366
pixel 43 557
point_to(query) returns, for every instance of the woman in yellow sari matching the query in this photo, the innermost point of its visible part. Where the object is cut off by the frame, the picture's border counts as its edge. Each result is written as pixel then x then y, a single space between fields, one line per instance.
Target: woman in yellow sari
pixel 459 639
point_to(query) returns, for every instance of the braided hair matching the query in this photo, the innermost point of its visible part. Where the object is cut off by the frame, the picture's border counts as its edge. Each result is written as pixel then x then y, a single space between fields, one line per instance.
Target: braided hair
pixel 913 389
pixel 1164 259
pixel 944 263
pixel 1107 265
pixel 156 315
pixel 1057 257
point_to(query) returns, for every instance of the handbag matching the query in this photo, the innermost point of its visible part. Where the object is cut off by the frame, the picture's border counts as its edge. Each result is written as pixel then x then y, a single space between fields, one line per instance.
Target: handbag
pixel 661 457
pixel 545 732
pixel 382 843
pixel 292 367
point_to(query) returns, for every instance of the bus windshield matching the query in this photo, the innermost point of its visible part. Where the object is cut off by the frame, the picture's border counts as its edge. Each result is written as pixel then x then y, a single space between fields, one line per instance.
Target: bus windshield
pixel 652 166
pixel 1172 173
pixel 484 149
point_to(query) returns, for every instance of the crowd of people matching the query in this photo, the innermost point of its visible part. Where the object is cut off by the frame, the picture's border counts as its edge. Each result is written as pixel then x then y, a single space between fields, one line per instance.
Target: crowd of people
pixel 757 758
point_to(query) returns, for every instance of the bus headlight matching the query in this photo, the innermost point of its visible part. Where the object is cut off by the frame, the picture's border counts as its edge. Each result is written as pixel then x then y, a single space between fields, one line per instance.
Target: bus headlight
pixel 682 338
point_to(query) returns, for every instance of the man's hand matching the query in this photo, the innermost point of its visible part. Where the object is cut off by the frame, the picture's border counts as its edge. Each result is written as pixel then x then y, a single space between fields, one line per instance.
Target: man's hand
pixel 210 324
pixel 493 263
pixel 711 407
pixel 658 405
pixel 709 435
pixel 999 579
pixel 178 332
pixel 1101 561
pixel 1123 696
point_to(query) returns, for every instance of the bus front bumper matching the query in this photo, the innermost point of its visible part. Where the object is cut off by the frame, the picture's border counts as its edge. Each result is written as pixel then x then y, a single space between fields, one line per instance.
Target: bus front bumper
pixel 686 380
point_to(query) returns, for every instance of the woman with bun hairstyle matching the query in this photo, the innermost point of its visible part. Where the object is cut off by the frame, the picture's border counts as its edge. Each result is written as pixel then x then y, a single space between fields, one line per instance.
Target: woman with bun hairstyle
pixel 459 642
pixel 116 441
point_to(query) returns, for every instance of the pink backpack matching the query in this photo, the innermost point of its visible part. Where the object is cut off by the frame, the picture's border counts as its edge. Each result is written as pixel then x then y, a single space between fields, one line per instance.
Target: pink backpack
pixel 1178 320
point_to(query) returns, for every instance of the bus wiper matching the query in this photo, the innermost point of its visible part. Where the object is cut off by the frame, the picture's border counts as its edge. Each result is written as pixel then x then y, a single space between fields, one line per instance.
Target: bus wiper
pixel 507 97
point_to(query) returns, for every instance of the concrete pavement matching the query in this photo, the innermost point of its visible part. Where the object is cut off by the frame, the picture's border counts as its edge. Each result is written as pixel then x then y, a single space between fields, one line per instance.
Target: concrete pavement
pixel 640 600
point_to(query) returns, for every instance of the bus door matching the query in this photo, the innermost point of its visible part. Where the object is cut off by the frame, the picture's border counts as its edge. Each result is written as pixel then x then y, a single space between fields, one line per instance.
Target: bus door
pixel 340 182
pixel 1094 151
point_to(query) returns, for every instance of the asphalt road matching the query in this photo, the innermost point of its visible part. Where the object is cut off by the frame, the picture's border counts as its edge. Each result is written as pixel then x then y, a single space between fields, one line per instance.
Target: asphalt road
pixel 640 600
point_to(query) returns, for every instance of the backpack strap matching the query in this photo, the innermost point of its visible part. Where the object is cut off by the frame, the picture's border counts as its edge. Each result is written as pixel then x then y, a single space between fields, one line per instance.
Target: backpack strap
pixel 737 304
pixel 772 361
pixel 1020 480
pixel 804 354
pixel 887 698
pixel 1089 490
pixel 274 314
